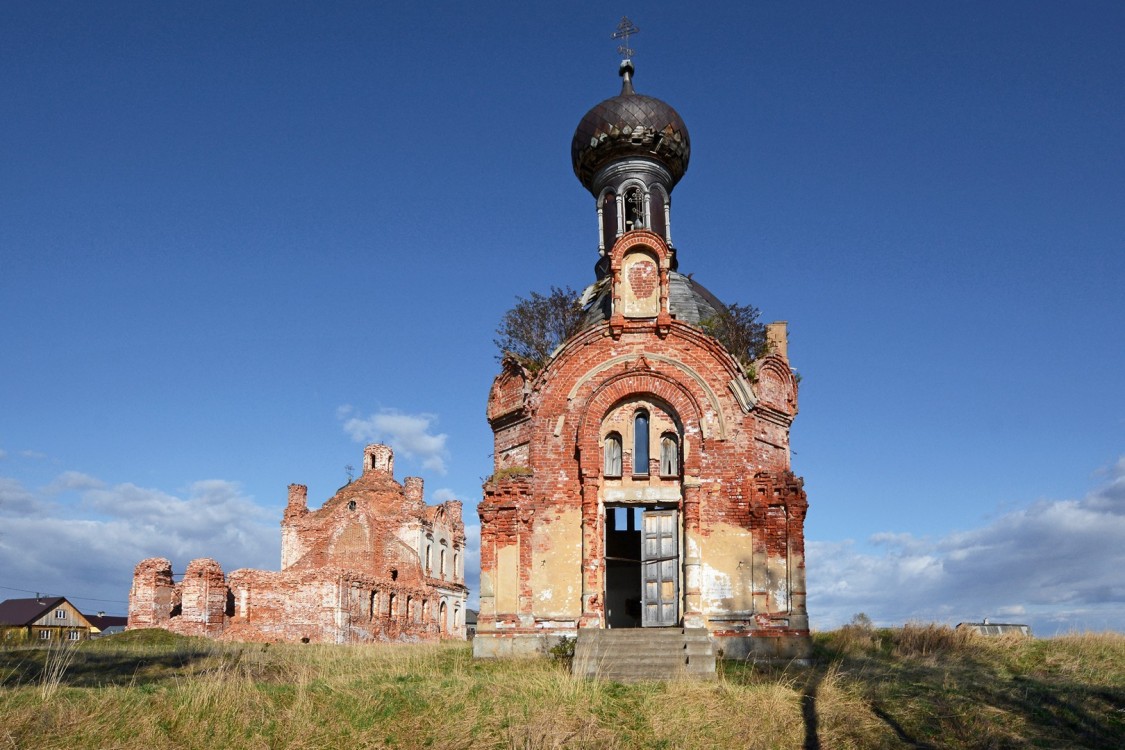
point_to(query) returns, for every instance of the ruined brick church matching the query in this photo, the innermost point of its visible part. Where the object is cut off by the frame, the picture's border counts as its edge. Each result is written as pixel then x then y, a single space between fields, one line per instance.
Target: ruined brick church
pixel 373 563
pixel 642 476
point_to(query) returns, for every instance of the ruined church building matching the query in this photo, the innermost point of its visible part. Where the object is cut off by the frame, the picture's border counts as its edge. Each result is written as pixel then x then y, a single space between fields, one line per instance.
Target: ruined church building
pixel 373 563
pixel 642 476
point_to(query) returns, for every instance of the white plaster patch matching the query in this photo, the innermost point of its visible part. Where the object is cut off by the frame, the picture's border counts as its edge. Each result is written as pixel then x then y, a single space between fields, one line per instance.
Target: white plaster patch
pixel 716 584
pixel 636 494
pixel 780 595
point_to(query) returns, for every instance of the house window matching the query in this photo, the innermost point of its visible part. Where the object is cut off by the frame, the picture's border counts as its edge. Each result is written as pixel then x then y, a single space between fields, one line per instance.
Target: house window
pixel 44 635
pixel 640 443
pixel 669 455
pixel 612 455
pixel 73 635
pixel 60 614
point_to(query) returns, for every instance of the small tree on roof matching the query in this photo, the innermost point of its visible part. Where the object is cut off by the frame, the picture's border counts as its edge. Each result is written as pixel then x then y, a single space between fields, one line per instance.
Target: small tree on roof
pixel 737 328
pixel 536 326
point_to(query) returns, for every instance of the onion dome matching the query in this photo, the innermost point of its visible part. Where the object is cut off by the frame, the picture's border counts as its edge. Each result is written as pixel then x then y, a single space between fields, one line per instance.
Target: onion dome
pixel 630 126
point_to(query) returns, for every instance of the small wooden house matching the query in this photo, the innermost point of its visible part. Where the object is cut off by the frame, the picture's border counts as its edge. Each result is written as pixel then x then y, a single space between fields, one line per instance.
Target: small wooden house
pixel 43 619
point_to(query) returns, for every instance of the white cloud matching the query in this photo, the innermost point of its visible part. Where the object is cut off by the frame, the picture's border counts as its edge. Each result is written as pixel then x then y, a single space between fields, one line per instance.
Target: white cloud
pixel 33 454
pixel 62 549
pixel 1057 565
pixel 73 480
pixel 409 434
pixel 14 499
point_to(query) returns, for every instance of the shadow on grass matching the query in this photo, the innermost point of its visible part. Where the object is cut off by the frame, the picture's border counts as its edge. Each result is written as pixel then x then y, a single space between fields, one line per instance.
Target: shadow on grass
pixel 967 699
pixel 125 661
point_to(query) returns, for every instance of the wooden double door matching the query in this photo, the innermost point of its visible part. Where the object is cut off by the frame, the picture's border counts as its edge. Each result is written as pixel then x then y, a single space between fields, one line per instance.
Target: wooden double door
pixel 642 555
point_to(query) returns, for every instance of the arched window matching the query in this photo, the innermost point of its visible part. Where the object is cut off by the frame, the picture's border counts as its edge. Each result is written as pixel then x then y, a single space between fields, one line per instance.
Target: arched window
pixel 669 455
pixel 609 219
pixel 612 455
pixel 429 559
pixel 634 209
pixel 443 562
pixel 656 209
pixel 640 442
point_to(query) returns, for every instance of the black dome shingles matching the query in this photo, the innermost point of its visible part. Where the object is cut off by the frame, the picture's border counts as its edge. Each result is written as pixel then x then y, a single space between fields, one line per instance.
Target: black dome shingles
pixel 630 125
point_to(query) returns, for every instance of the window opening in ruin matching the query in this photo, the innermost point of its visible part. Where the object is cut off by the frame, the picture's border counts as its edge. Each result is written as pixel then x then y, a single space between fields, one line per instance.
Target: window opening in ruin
pixel 394 574
pixel 612 455
pixel 634 209
pixel 456 561
pixel 442 558
pixel 641 566
pixel 443 626
pixel 640 443
pixel 351 505
pixel 429 559
pixel 391 606
pixel 409 609
pixel 669 455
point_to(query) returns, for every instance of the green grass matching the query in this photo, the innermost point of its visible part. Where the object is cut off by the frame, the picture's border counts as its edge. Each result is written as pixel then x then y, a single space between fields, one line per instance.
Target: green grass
pixel 920 686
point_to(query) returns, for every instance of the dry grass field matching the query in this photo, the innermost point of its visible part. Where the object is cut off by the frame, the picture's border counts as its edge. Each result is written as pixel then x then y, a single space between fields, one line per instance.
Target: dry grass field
pixel 922 686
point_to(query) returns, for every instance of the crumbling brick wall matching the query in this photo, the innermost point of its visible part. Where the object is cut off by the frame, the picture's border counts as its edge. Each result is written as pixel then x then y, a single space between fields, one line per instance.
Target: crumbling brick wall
pixel 354 570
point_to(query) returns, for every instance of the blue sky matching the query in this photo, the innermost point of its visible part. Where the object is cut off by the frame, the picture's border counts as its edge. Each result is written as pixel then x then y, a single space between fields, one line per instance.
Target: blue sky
pixel 238 241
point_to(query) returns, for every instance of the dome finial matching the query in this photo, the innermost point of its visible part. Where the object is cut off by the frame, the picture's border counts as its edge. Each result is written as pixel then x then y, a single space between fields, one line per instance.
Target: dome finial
pixel 625 29
pixel 626 73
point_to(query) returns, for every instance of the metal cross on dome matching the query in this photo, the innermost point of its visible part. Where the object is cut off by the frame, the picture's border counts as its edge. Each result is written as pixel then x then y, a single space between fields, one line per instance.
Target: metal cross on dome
pixel 624 30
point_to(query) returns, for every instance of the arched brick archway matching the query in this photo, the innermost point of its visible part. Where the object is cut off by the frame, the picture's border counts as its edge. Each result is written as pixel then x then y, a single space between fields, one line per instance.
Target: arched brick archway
pixel 636 385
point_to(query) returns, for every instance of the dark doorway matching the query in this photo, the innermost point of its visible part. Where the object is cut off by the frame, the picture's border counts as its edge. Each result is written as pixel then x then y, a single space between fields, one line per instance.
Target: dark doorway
pixel 642 567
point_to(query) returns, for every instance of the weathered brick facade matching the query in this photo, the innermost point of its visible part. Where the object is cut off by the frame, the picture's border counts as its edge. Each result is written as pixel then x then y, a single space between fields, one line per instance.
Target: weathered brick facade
pixel 642 476
pixel 374 563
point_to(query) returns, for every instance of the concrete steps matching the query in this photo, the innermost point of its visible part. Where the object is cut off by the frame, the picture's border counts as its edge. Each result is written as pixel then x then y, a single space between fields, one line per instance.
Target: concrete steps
pixel 635 654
